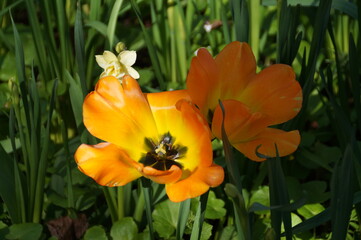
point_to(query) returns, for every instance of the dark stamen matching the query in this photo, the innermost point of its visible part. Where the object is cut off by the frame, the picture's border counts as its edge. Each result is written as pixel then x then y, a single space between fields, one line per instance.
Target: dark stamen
pixel 163 156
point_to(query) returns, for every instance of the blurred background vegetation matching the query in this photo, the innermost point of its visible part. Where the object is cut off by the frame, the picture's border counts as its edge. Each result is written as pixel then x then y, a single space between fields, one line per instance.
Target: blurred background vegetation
pixel 47 66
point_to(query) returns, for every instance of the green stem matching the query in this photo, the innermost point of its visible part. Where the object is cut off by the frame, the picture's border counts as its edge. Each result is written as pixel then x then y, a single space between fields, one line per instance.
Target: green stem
pixel 111 202
pixel 120 202
pixel 147 189
pixel 139 208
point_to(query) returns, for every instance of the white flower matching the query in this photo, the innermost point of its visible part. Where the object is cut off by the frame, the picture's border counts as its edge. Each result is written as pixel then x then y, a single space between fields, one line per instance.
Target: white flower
pixel 118 66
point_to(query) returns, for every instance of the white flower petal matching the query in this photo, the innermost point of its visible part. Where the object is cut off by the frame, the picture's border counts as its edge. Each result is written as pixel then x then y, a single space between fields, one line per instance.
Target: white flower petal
pixel 109 57
pixel 127 57
pixel 132 72
pixel 101 61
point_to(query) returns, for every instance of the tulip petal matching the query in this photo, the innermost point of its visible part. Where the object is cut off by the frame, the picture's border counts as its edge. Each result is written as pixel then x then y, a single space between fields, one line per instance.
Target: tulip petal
pixel 287 143
pixel 163 177
pixel 275 92
pixel 240 123
pixel 196 184
pixel 107 164
pixel 120 114
pixel 202 81
pixel 163 106
pixel 185 123
pixel 237 66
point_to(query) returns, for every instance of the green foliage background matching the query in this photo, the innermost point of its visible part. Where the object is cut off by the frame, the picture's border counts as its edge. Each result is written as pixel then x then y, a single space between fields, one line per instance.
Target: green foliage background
pixel 47 66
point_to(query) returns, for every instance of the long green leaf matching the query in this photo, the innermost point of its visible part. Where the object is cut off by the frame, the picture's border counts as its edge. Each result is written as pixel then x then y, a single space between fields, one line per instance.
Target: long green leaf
pixel 150 46
pixel 184 210
pixel 113 22
pixel 341 196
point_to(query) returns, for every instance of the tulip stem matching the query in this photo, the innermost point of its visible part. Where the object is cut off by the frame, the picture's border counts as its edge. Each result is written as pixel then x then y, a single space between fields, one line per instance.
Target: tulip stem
pixel 147 190
pixel 120 196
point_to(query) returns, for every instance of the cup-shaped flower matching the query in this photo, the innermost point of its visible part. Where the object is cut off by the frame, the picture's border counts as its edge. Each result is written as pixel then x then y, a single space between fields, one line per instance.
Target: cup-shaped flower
pixel 252 101
pixel 117 66
pixel 160 136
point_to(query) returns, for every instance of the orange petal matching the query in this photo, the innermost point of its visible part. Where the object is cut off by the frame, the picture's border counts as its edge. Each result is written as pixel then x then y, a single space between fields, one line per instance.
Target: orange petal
pixel 237 66
pixel 287 143
pixel 163 177
pixel 107 164
pixel 275 92
pixel 119 113
pixel 202 83
pixel 196 184
pixel 240 123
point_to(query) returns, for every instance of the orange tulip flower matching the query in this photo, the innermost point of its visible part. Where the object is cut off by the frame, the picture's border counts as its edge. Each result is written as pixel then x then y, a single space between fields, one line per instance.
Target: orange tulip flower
pixel 160 136
pixel 252 101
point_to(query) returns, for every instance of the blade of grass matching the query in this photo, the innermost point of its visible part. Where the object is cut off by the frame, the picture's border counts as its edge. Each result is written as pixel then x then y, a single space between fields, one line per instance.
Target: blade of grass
pixel 7 179
pixel 225 27
pixel 38 39
pixel 120 201
pixel 199 218
pixel 184 210
pixel 147 190
pixel 255 21
pixel 63 35
pixel 354 67
pixel 341 196
pixel 113 22
pixel 241 19
pixel 69 182
pixel 79 52
pixel 240 212
pixel 151 48
pixel 278 196
pixel 39 195
pixel 110 198
pixel 5 10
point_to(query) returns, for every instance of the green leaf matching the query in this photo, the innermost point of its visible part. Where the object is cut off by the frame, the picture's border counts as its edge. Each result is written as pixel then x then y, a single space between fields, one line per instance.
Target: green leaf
pixel 206 231
pixel 76 98
pixel 183 214
pixel 24 231
pixel 215 207
pixel 95 233
pixel 310 210
pixel 342 195
pixel 228 233
pixel 125 229
pixel 98 26
pixel 7 186
pixel 165 216
pixel 261 195
pixel 113 21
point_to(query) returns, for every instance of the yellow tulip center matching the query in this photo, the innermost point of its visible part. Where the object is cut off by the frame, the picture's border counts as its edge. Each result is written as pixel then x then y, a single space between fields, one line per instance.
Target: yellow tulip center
pixel 164 155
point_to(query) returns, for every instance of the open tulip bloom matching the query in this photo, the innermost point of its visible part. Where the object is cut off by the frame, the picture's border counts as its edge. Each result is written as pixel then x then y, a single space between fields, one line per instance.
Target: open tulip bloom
pixel 252 102
pixel 160 136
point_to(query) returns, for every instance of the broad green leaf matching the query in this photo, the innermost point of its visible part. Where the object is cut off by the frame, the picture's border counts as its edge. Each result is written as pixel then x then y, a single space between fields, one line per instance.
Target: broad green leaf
pixel 215 207
pixel 125 229
pixel 228 233
pixel 310 210
pixel 24 231
pixel 261 195
pixel 206 231
pixel 165 216
pixel 95 233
